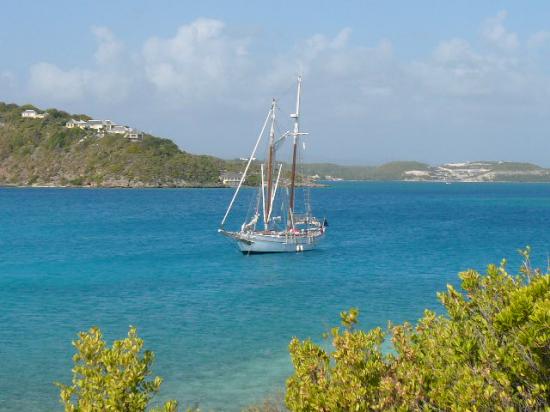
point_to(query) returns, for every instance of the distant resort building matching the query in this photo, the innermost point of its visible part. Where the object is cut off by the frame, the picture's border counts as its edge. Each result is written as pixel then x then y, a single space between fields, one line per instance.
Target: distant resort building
pixel 231 179
pixel 118 129
pixel 99 124
pixel 32 114
pixel 134 135
pixel 106 126
pixel 81 124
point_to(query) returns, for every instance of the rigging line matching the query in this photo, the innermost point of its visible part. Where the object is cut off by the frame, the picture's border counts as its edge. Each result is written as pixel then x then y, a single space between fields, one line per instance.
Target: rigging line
pixel 281 109
pixel 254 204
pixel 275 191
pixel 277 125
pixel 279 130
pixel 246 169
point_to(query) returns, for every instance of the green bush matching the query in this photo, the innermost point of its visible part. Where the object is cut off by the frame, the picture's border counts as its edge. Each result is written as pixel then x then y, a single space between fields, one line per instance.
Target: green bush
pixel 490 352
pixel 111 378
pixel 77 181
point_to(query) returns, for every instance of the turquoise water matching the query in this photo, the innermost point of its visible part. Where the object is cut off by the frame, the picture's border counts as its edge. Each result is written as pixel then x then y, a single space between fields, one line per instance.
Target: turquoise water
pixel 220 322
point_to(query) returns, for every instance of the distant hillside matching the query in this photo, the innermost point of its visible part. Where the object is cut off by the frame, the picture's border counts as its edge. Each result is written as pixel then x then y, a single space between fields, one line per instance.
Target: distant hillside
pixel 39 150
pixel 481 171
pixel 387 171
pixel 42 151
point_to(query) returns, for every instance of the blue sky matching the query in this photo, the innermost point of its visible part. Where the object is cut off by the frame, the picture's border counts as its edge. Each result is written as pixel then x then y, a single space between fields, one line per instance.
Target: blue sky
pixel 425 80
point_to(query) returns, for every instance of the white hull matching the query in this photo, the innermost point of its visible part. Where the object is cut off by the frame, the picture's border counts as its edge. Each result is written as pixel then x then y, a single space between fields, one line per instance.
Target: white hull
pixel 249 243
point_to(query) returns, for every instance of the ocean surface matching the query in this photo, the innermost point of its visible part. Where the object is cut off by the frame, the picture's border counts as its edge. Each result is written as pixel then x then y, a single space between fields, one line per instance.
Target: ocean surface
pixel 220 322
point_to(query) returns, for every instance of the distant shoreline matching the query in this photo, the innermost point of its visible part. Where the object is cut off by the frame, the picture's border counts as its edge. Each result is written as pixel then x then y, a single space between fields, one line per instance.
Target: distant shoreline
pixel 12 186
pixel 323 185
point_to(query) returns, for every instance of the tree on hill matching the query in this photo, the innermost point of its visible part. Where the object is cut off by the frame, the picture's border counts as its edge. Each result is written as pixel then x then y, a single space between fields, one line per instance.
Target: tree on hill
pixel 490 352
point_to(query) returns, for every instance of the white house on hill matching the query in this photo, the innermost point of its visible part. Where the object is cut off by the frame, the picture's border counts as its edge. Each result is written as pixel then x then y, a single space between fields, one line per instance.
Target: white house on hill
pixel 106 126
pixel 32 114
pixel 134 135
pixel 81 124
pixel 118 129
pixel 100 124
pixel 231 179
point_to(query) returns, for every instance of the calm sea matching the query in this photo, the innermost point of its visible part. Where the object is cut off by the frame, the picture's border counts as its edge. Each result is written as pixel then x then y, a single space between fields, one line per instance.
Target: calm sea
pixel 220 322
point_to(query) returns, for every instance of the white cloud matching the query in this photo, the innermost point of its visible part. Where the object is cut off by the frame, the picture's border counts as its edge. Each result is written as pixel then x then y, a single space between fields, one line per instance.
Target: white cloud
pixel 332 61
pixel 204 61
pixel 538 39
pixel 109 49
pixel 499 71
pixel 201 60
pixel 319 42
pixel 48 80
pixel 108 80
pixel 452 51
pixel 206 67
pixel 496 34
pixel 454 69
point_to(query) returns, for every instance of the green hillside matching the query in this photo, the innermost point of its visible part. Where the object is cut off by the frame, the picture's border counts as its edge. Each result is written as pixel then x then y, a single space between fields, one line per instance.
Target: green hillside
pixel 513 166
pixel 395 170
pixel 45 152
pixel 387 171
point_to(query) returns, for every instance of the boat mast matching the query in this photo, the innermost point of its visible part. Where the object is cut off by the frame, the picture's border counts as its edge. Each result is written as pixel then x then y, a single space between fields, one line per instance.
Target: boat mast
pixel 270 165
pixel 296 134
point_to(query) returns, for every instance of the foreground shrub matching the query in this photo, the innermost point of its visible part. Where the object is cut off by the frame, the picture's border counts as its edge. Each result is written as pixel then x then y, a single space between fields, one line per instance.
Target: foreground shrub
pixel 272 403
pixel 111 379
pixel 490 352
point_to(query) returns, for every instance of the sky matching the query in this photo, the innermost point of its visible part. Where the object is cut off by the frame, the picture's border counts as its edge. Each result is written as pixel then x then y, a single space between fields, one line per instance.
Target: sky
pixel 388 80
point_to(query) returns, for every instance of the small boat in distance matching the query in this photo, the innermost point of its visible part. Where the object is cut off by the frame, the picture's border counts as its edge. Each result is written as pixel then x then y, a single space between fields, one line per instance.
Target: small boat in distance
pixel 272 229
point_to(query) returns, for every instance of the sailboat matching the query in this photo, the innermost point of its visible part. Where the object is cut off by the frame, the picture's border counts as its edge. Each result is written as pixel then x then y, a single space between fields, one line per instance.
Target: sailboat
pixel 273 229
